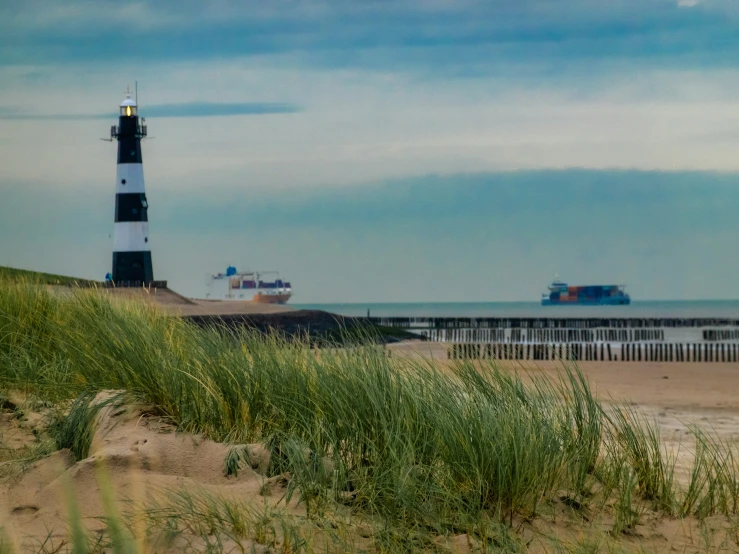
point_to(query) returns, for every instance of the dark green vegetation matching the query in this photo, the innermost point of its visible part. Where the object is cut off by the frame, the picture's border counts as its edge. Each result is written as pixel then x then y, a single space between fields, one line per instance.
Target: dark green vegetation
pixel 317 328
pixel 421 452
pixel 362 333
pixel 10 273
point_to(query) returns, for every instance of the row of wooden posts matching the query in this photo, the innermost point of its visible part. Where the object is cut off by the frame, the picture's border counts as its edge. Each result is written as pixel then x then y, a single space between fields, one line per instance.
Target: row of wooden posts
pixel 535 336
pixel 631 352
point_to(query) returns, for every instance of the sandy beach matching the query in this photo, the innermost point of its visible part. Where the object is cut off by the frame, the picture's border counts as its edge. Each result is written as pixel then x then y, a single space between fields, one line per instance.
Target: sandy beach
pixel 691 387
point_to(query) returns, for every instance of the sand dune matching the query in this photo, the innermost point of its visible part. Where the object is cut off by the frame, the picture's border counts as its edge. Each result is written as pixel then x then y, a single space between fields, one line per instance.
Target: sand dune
pixel 143 456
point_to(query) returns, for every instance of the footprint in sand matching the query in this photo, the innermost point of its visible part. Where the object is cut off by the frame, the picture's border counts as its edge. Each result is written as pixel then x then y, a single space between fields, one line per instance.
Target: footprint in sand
pixel 24 510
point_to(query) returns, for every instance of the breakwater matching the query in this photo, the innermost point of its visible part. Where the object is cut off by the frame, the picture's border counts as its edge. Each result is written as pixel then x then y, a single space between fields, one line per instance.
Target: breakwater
pixel 584 339
pixel 641 352
pixel 566 330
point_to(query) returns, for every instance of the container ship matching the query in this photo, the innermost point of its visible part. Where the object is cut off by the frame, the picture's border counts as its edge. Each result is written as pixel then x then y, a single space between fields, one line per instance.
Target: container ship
pixel 560 294
pixel 248 286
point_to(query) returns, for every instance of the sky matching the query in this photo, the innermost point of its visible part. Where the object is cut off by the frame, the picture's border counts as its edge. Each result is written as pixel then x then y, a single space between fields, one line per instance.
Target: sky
pixel 382 151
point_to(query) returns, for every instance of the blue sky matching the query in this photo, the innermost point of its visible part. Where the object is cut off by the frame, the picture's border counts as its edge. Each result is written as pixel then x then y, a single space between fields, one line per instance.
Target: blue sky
pixel 383 151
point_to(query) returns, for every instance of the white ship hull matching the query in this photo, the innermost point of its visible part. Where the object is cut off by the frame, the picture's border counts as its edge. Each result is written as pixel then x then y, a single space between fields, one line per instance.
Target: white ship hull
pixel 247 287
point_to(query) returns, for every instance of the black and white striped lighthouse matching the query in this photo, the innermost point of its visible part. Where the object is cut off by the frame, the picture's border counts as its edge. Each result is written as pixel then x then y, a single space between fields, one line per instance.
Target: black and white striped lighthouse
pixel 131 250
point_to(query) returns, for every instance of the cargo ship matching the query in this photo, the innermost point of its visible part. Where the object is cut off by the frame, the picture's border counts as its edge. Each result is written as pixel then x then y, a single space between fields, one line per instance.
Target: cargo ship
pixel 248 286
pixel 560 294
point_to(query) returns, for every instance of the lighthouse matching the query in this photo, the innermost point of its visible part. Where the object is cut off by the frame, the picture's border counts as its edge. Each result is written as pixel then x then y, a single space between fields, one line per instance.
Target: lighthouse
pixel 131 249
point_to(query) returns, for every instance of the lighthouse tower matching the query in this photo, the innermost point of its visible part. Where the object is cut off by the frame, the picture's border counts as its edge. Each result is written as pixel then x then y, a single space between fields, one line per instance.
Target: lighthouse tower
pixel 131 250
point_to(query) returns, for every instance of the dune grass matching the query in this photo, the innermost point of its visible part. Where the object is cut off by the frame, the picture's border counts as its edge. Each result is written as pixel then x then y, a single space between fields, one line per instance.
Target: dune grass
pixel 429 453
pixel 75 428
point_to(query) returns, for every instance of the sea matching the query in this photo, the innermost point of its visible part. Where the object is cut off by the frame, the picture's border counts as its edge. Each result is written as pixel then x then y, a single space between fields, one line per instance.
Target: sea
pixel 718 309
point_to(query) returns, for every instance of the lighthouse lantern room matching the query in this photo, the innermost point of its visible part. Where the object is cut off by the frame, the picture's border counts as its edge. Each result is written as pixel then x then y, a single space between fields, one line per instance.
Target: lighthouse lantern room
pixel 131 249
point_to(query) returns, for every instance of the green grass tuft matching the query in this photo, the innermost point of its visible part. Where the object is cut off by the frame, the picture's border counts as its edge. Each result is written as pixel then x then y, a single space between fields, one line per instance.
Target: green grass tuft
pixel 76 428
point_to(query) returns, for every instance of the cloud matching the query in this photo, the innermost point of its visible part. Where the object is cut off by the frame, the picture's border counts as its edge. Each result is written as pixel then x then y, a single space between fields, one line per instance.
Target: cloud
pixel 189 109
pixel 564 202
pixel 10 114
pixel 210 109
pixel 360 127
pixel 461 38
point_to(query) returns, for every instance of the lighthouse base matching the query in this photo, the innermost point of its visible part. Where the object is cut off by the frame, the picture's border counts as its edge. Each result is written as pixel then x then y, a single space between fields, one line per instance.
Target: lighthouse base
pixel 132 267
pixel 135 284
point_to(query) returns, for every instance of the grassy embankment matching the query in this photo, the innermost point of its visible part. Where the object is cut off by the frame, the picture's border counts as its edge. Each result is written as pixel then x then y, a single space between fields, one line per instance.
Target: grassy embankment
pixel 417 454
pixel 14 274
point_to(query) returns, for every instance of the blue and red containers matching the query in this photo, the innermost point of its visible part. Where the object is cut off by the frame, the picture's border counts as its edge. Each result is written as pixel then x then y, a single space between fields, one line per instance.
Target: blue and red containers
pixel 589 295
pixel 252 284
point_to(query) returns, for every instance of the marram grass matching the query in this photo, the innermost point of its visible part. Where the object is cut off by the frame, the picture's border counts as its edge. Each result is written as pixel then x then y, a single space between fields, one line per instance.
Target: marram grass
pixel 394 439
